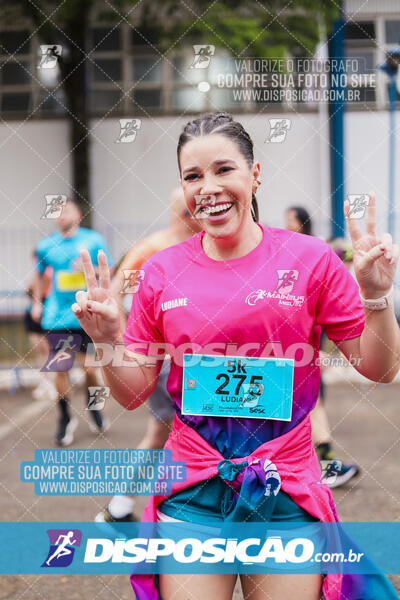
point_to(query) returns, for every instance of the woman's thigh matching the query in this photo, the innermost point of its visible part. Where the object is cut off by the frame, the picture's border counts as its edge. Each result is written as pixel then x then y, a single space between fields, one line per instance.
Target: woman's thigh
pixel 281 587
pixel 197 587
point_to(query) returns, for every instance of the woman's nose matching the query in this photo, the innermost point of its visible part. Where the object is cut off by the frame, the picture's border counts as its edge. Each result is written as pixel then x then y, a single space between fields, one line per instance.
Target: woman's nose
pixel 210 186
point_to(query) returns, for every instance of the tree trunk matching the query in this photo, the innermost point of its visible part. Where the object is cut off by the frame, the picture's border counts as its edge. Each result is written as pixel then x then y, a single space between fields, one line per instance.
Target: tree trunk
pixel 74 74
pixel 72 35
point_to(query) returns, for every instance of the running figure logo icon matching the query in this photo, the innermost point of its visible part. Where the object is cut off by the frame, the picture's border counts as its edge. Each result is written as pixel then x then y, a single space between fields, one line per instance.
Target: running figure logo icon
pixel 128 130
pixel 62 547
pixel 97 397
pixel 358 204
pixel 253 297
pixel 202 56
pixel 54 205
pixel 62 352
pixel 132 279
pixel 50 56
pixel 278 130
pixel 286 280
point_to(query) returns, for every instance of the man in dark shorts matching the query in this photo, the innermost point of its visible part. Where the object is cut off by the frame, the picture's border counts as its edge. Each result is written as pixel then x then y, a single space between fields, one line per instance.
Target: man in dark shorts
pixel 65 336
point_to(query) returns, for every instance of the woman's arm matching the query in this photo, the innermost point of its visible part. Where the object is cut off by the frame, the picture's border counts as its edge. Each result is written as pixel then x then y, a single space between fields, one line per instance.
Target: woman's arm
pixel 378 347
pixel 37 295
pixel 131 385
pixel 98 314
pixel 375 260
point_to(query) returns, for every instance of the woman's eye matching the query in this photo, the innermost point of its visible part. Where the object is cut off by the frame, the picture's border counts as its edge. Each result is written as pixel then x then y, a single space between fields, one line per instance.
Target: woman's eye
pixel 225 169
pixel 191 177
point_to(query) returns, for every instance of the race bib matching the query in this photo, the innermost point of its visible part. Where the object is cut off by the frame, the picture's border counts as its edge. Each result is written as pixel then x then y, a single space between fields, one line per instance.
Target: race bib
pixel 70 282
pixel 234 386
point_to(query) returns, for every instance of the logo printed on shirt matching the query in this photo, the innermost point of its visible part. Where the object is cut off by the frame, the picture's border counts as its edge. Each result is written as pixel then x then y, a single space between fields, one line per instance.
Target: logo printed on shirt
pixel 286 280
pixel 253 297
pixel 174 303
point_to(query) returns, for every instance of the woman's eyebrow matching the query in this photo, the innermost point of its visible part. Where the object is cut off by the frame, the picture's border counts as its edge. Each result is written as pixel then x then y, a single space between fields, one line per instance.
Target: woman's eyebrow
pixel 189 169
pixel 224 160
pixel 215 162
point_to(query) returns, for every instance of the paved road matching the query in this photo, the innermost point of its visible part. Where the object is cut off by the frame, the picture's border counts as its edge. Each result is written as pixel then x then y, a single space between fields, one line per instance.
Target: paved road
pixel 366 428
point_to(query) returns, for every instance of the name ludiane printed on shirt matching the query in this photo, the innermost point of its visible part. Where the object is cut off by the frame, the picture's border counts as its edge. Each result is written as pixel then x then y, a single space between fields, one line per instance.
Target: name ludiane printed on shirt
pixel 174 303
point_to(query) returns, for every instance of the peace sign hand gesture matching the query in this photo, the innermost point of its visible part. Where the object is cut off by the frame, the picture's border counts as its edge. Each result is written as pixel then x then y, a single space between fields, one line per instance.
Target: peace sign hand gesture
pixel 96 309
pixel 374 257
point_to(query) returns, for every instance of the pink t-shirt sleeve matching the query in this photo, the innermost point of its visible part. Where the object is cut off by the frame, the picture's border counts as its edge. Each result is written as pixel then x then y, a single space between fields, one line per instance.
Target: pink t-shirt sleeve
pixel 141 328
pixel 339 310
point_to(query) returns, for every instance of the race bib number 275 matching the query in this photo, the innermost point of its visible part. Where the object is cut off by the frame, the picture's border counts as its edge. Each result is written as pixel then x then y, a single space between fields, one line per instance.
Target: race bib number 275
pixel 233 386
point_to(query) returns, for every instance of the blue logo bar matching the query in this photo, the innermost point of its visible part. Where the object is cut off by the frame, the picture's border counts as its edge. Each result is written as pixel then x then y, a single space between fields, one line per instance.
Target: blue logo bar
pixel 354 548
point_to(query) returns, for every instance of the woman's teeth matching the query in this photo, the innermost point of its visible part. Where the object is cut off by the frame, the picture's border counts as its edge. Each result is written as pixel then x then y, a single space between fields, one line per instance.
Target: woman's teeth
pixel 210 210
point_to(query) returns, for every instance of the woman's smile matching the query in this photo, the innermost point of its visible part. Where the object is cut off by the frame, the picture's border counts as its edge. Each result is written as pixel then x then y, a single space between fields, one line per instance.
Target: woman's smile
pixel 218 213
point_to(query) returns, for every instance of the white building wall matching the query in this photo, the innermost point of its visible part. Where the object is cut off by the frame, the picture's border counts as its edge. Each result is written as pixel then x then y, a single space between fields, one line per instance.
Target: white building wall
pixel 360 8
pixel 367 161
pixel 34 161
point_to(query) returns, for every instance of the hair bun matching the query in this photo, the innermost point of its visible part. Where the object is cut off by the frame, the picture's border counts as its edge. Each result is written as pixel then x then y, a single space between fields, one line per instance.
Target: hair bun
pixel 217 116
pixel 222 115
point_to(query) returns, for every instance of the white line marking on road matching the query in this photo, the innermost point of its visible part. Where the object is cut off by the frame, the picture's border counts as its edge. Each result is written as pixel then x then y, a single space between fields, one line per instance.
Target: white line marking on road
pixel 23 416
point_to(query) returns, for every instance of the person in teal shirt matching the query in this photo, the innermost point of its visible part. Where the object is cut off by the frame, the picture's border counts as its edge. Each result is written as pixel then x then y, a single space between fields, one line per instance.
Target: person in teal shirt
pixel 60 250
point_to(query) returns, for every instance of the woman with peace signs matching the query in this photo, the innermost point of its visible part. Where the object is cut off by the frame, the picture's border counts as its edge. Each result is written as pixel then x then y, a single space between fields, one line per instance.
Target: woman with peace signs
pixel 245 291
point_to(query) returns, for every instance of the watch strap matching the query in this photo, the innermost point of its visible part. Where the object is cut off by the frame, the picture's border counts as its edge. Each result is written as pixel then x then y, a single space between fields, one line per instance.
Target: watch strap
pixel 377 303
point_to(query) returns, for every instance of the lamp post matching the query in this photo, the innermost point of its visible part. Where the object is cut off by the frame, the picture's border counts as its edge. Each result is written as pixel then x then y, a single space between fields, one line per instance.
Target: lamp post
pixel 391 68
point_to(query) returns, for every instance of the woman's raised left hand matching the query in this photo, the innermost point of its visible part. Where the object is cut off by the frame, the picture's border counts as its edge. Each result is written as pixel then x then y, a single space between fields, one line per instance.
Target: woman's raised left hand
pixel 375 256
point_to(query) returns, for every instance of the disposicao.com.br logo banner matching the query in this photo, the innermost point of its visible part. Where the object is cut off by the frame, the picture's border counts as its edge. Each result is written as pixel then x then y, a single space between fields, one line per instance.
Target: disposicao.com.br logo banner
pixel 77 548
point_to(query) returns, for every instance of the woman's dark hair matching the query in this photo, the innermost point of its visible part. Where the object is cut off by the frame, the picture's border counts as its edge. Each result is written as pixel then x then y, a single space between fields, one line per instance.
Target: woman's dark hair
pixel 304 217
pixel 224 124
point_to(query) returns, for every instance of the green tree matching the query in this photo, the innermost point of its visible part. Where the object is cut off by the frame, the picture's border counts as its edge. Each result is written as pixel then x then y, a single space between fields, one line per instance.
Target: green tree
pixel 257 28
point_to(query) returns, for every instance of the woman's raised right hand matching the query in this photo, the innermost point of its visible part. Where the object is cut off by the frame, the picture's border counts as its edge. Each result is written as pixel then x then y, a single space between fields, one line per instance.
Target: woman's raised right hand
pixel 96 309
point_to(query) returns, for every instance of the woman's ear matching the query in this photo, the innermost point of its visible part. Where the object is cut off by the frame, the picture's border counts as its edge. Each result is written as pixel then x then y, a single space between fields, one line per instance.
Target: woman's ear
pixel 256 174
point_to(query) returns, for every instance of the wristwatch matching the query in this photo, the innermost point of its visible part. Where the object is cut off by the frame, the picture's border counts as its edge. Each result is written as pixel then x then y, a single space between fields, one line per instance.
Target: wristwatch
pixel 378 303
